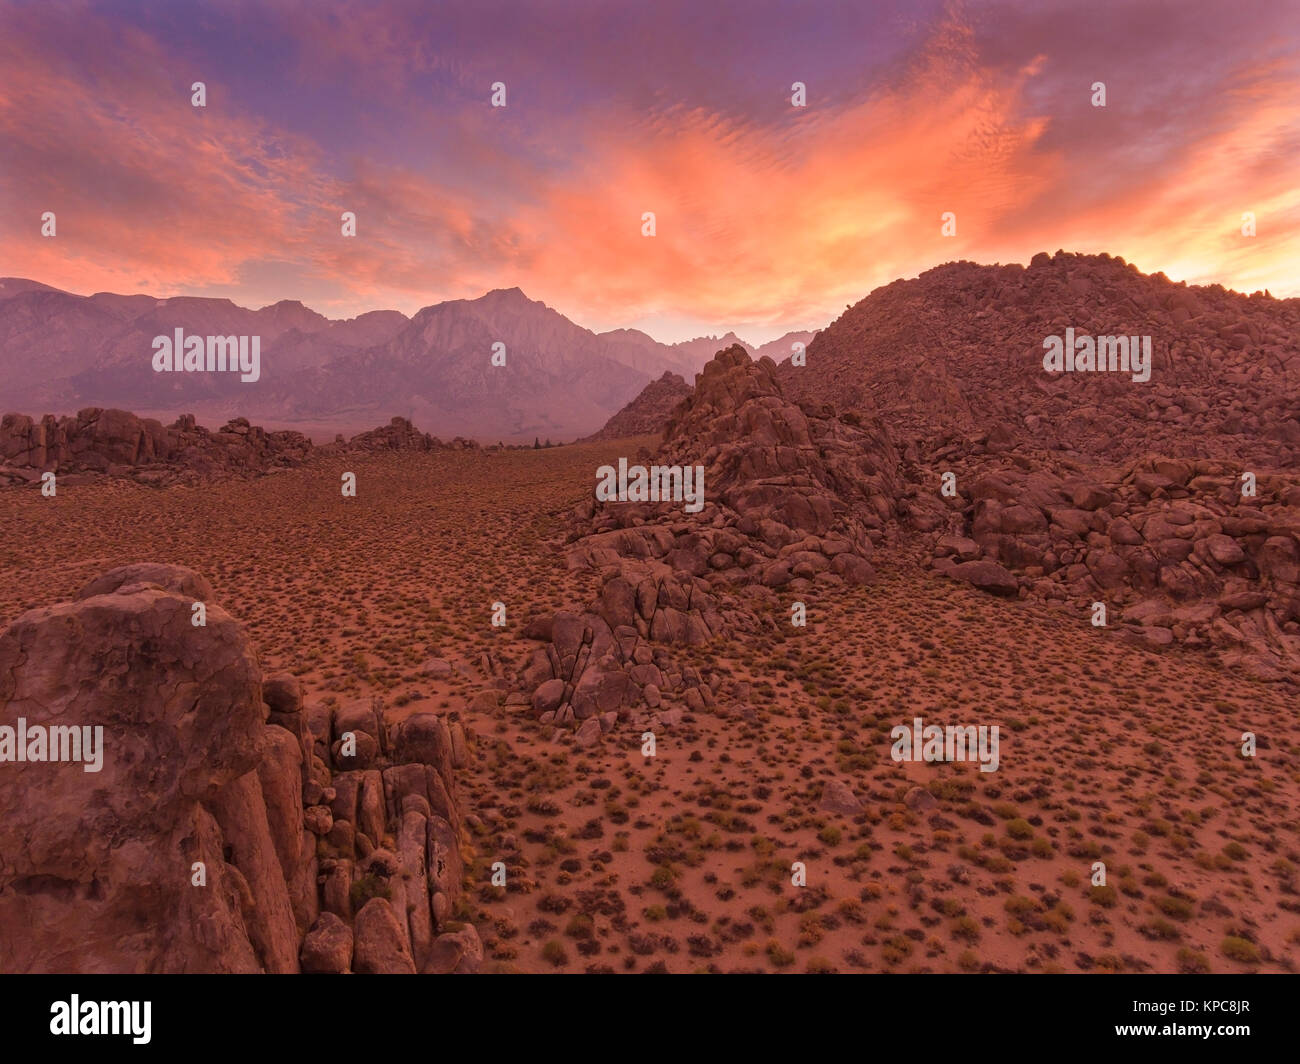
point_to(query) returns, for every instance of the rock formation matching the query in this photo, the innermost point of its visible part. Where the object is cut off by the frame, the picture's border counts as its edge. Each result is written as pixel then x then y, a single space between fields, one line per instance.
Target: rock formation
pixel 400 435
pixel 1171 547
pixel 799 500
pixel 1090 487
pixel 956 354
pixel 795 499
pixel 118 443
pixel 229 827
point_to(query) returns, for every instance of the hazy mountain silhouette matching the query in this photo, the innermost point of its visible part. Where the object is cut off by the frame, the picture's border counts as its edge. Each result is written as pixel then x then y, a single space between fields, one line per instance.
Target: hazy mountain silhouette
pixel 60 352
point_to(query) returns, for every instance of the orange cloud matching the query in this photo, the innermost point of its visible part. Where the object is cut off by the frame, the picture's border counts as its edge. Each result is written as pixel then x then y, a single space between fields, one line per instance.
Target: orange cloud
pixel 787 223
pixel 766 218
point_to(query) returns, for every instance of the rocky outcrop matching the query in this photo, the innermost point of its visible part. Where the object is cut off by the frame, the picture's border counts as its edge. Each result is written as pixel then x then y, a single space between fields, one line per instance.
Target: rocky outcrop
pixel 400 435
pixel 1089 487
pixel 958 351
pixel 793 496
pixel 794 499
pixel 228 826
pixel 118 443
pixel 1172 547
pixel 799 501
pixel 100 868
pixel 614 661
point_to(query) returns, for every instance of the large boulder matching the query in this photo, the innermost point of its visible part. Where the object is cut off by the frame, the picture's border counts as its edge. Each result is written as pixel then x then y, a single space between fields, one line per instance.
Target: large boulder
pixel 380 946
pixel 987 576
pixel 157 854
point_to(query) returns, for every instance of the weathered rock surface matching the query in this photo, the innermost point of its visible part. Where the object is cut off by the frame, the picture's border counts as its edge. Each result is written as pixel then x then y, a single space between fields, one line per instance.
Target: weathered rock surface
pixel 838 797
pixel 794 500
pixel 956 354
pixel 191 848
pixel 98 866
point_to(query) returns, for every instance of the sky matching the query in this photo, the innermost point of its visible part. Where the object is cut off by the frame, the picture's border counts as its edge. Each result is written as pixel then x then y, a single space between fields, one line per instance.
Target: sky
pixel 768 216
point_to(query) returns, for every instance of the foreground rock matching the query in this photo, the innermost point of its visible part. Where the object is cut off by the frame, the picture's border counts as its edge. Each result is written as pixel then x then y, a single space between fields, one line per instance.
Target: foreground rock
pixel 98 865
pixel 217 832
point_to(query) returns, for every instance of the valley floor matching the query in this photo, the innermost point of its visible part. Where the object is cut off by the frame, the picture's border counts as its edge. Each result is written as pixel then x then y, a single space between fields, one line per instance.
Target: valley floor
pixel 682 861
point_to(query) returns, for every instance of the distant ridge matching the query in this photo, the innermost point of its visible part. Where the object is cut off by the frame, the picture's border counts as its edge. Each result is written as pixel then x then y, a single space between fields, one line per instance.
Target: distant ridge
pixel 648 413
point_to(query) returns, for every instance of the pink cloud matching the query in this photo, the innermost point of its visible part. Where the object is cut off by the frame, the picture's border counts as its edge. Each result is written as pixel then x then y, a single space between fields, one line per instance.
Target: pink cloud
pixel 775 217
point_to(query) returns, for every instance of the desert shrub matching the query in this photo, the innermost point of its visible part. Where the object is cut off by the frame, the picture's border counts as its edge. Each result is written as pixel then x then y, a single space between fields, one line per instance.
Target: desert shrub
pixel 851 909
pixel 780 958
pixel 1105 896
pixel 1178 908
pixel 1160 929
pixel 367 887
pixel 1192 962
pixel 1018 904
pixel 580 926
pixel 1239 949
pixel 896 950
pixel 662 877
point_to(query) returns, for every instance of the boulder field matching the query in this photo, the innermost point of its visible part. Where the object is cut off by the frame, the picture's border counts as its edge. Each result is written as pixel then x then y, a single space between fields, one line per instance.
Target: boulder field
pixel 800 501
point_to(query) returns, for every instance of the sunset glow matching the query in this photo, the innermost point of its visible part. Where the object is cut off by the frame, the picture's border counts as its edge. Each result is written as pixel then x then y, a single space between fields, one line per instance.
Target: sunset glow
pixel 769 217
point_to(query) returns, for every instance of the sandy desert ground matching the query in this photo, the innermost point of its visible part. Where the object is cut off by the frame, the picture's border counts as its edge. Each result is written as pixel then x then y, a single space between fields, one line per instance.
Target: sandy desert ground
pixel 682 862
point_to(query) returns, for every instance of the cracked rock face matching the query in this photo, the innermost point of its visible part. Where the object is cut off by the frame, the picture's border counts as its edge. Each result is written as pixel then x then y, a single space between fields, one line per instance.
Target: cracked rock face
pixel 227 828
pixel 97 866
pixel 789 493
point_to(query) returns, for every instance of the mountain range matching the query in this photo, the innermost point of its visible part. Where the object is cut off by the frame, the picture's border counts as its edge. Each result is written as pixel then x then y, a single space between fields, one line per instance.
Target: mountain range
pixel 60 352
pixel 955 353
